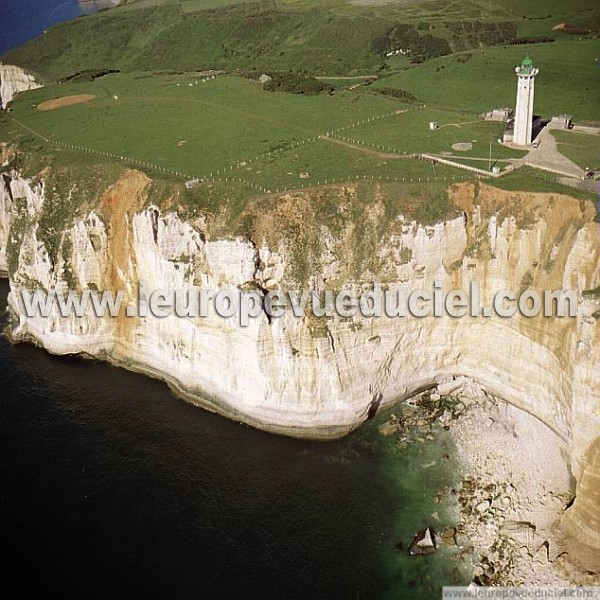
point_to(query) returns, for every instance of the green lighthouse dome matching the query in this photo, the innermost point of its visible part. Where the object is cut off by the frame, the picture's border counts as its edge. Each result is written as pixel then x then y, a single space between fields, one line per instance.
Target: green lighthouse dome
pixel 527 64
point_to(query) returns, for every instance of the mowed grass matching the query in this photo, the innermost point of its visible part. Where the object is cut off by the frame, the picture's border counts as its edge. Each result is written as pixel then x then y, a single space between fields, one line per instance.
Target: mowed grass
pixel 253 141
pixel 581 148
pixel 229 128
pixel 534 180
pixel 324 162
pixel 248 140
pixel 409 133
pixel 568 81
pixel 181 123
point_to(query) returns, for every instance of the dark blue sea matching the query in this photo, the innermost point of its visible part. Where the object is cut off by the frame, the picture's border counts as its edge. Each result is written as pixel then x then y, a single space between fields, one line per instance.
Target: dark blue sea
pixel 111 487
pixel 22 20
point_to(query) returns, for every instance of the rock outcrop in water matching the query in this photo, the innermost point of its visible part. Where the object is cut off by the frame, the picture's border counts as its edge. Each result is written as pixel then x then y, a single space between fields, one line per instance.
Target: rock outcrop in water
pixel 14 80
pixel 322 378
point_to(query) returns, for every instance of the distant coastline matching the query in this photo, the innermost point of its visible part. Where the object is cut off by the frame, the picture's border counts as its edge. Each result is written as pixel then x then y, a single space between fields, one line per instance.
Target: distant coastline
pixel 23 20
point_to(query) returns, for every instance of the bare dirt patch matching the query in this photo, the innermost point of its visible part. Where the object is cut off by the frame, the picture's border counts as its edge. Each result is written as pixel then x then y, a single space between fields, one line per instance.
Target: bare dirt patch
pixel 65 101
pixel 462 146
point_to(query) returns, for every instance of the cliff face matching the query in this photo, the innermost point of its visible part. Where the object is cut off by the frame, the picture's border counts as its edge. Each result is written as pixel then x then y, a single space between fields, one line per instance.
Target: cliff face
pixel 90 6
pixel 321 378
pixel 12 81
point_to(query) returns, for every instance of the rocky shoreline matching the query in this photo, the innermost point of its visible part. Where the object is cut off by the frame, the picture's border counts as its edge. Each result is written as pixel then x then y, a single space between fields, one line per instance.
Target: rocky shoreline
pixel 514 486
pixel 324 378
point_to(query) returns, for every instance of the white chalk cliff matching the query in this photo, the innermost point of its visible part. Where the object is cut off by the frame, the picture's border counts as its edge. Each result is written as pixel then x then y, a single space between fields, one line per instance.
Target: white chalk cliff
pixel 14 80
pixel 89 6
pixel 321 378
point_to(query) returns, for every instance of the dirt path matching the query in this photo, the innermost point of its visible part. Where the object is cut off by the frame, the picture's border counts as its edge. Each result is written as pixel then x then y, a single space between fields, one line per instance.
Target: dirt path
pixel 457 125
pixel 365 150
pixel 479 158
pixel 347 77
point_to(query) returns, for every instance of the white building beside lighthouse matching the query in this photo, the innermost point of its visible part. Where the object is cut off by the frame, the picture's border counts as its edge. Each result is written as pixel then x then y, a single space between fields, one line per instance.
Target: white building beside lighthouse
pixel 524 110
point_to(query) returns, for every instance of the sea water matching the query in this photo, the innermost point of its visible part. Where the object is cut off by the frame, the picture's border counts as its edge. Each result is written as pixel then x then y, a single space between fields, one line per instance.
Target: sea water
pixel 111 487
pixel 22 20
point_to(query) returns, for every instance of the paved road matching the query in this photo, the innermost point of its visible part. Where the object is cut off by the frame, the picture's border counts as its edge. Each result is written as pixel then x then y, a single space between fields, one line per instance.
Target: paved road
pixel 547 157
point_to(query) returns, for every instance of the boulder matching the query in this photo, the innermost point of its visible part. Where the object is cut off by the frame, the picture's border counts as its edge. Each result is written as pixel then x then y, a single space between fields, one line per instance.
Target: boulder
pixel 423 543
pixel 449 536
pixel 388 428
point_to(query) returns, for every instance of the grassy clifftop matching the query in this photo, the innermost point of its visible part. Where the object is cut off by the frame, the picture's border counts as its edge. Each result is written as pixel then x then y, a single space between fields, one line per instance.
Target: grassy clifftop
pixel 332 37
pixel 230 140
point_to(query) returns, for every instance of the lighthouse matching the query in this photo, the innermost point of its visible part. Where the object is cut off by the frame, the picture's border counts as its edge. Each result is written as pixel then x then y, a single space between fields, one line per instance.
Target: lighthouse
pixel 524 111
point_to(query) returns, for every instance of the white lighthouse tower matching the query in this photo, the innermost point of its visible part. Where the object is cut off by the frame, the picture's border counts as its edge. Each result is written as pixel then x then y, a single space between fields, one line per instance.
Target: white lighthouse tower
pixel 524 111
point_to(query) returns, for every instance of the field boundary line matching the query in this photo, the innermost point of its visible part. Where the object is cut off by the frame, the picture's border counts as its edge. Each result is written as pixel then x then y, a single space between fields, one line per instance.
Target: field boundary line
pixel 257 187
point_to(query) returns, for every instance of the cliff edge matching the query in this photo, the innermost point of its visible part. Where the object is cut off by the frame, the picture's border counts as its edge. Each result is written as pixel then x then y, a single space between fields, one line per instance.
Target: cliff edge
pixel 322 378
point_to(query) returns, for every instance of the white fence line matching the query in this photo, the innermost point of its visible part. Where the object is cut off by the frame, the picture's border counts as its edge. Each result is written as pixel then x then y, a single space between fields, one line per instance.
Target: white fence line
pixel 450 163
pixel 214 179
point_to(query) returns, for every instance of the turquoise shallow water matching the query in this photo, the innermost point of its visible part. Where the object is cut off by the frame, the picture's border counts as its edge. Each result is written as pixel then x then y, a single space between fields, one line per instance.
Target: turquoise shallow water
pixel 111 487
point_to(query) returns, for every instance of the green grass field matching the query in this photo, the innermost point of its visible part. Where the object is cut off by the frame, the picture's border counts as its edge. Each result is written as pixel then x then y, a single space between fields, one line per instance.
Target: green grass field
pixel 534 180
pixel 161 114
pixel 185 124
pixel 581 148
pixel 323 162
pixel 228 127
pixel 436 10
pixel 568 81
pixel 247 36
pixel 229 130
pixel 323 37
pixel 410 133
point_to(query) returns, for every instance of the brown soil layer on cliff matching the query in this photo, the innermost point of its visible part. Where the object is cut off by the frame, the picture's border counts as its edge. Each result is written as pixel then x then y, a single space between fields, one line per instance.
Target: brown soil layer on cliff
pixel 118 206
pixel 560 220
pixel 562 215
pixel 353 219
pixel 65 101
pixel 7 153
